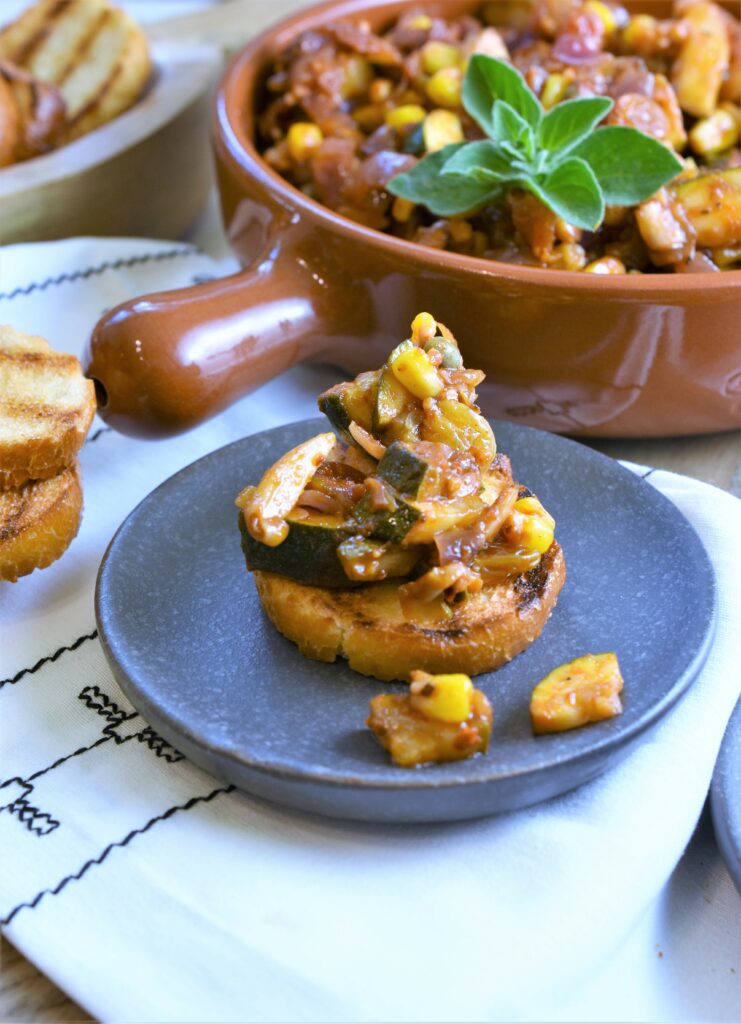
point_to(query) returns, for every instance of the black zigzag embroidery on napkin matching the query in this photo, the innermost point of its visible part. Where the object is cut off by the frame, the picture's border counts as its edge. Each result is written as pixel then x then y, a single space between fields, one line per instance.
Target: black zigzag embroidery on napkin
pixel 95 699
pixel 20 806
pixel 49 658
pixel 78 275
pixel 112 846
pixel 159 745
pixel 66 757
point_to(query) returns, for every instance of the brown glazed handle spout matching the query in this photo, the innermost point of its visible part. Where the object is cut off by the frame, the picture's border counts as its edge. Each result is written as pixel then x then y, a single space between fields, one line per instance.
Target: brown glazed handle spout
pixel 165 362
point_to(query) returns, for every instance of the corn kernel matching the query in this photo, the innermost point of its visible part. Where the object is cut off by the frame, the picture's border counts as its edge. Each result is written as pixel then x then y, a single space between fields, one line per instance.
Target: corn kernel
pixel 380 90
pixel 604 13
pixel 436 56
pixel 303 139
pixel 441 128
pixel 402 209
pixel 714 134
pixel 605 265
pixel 408 114
pixel 424 328
pixel 414 370
pixel 530 526
pixel 446 697
pixel 444 88
pixel 641 33
pixel 555 88
pixel 420 21
pixel 584 690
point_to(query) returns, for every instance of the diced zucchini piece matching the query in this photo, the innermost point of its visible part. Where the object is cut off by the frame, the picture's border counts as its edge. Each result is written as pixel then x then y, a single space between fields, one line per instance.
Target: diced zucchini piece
pixel 457 425
pixel 309 552
pixel 712 202
pixel 389 524
pixel 393 398
pixel 436 517
pixel 698 72
pixel 351 400
pixel 415 470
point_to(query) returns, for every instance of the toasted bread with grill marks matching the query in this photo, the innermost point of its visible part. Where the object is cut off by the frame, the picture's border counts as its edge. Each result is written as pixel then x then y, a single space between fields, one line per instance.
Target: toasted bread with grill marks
pixel 38 522
pixel 366 625
pixel 41 115
pixel 46 408
pixel 92 51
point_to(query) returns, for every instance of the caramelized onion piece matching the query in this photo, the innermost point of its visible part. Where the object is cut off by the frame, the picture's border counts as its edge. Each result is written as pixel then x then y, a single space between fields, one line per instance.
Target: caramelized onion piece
pixel 321 502
pixel 366 441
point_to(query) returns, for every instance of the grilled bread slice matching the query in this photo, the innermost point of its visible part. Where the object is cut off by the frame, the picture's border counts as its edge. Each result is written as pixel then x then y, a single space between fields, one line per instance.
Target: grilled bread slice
pixel 92 51
pixel 41 118
pixel 46 408
pixel 38 522
pixel 366 625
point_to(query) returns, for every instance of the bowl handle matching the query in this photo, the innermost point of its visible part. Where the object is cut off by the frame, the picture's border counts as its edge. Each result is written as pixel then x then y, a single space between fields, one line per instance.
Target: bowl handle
pixel 165 362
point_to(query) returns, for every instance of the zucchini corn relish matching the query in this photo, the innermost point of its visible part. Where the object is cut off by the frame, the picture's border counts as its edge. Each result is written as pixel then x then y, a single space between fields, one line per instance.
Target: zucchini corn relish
pixel 404 541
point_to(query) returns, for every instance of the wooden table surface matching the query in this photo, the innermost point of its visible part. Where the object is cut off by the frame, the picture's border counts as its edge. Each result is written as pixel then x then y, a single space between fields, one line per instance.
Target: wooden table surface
pixel 27 995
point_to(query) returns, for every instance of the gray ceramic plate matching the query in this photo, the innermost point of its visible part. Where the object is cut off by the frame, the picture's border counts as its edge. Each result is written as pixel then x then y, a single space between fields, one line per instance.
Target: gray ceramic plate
pixel 726 797
pixel 182 627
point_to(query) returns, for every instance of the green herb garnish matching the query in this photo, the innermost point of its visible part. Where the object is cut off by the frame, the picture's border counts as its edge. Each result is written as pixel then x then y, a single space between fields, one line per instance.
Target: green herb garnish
pixel 558 156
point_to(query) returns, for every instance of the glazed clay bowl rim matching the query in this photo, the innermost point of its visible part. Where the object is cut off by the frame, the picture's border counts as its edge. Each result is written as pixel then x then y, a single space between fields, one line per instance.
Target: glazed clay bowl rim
pixel 234 123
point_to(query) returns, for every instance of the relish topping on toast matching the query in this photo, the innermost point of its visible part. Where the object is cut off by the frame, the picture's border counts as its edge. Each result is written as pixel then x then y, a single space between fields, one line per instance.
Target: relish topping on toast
pixel 414 491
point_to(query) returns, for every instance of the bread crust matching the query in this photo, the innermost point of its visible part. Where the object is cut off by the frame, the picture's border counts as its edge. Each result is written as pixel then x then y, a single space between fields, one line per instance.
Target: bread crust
pixel 366 625
pixel 46 408
pixel 38 522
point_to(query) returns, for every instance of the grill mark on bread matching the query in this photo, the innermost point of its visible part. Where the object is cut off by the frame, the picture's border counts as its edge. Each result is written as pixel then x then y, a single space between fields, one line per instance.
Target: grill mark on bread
pixel 530 586
pixel 46 407
pixel 25 53
pixel 39 411
pixel 23 512
pixel 97 100
pixel 84 45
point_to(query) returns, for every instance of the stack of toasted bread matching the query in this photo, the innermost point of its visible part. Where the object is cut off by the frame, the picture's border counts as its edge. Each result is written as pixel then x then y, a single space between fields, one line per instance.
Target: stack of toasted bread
pixel 66 68
pixel 46 408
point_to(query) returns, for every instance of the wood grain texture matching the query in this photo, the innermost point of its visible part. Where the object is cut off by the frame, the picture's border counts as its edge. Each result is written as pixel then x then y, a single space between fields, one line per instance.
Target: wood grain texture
pixel 26 995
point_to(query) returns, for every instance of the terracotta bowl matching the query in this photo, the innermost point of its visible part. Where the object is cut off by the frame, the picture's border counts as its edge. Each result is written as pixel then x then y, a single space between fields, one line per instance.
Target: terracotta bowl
pixel 633 356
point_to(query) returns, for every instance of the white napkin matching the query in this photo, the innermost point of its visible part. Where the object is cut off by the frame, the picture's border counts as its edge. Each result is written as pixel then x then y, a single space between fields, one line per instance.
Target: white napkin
pixel 150 891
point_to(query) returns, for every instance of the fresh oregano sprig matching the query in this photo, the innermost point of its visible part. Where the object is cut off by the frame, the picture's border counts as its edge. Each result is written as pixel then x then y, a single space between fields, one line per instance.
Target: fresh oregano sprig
pixel 561 156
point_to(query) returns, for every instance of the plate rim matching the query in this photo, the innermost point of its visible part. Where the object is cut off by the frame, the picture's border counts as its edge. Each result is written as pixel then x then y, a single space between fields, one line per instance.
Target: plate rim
pixel 728 842
pixel 603 748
